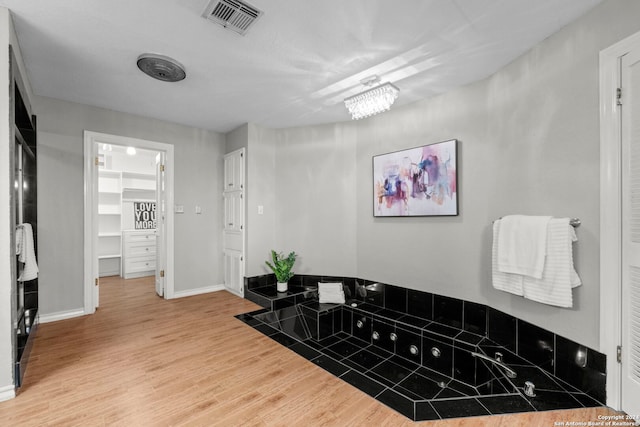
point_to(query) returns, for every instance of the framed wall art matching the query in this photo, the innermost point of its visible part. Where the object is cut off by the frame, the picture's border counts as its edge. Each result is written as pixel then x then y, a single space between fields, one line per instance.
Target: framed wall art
pixel 420 181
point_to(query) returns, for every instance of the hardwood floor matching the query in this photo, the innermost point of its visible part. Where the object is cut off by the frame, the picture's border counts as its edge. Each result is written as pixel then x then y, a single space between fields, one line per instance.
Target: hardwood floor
pixel 143 361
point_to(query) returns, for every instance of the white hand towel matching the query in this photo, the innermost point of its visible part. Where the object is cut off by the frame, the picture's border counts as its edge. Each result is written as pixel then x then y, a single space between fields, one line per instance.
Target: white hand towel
pixel 27 254
pixel 559 277
pixel 331 293
pixel 522 241
pixel 506 282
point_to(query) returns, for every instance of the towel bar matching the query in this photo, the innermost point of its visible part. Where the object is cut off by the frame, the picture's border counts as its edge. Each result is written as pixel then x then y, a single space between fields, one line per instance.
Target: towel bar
pixel 574 222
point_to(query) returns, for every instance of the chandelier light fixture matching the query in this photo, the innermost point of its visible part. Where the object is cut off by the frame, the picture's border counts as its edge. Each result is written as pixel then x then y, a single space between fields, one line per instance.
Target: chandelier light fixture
pixel 372 101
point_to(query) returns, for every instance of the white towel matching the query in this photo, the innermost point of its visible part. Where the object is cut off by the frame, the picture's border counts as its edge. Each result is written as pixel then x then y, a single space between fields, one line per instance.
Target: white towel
pixel 522 241
pixel 503 281
pixel 331 293
pixel 25 249
pixel 559 275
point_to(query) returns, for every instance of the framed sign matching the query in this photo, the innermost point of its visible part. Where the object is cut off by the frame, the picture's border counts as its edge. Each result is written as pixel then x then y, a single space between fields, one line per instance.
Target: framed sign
pixel 419 181
pixel 144 215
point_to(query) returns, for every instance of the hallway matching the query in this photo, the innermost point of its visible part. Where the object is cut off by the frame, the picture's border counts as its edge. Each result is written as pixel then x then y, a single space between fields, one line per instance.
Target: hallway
pixel 143 361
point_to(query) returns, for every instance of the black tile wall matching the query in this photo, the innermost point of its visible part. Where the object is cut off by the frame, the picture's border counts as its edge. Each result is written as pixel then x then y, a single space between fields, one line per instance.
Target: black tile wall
pixel 460 407
pixel 308 280
pixel 395 298
pixel 475 318
pixel 397 309
pixel 502 328
pixel 325 325
pixel 409 343
pixel 284 302
pixel 536 345
pixel 447 311
pixel 464 367
pixel 420 304
pixel 399 402
pixel 437 355
pixel 581 367
pixel 349 285
pixel 311 317
pixel 347 316
pixel 384 331
pixel 373 293
pixel 337 320
pixel 330 279
pixel 361 326
pixel 259 281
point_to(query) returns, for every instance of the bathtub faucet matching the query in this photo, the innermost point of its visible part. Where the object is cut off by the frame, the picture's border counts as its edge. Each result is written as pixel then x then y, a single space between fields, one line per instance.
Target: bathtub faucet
pixel 510 372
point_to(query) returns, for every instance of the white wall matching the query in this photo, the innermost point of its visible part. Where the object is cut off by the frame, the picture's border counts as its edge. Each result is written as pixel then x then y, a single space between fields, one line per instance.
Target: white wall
pixel 316 213
pixel 529 144
pixel 198 175
pixel 6 327
pixel 7 254
pixel 260 191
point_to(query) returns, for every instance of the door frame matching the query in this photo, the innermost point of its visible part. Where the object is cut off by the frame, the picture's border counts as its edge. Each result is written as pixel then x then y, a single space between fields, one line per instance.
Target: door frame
pixel 611 213
pixel 91 141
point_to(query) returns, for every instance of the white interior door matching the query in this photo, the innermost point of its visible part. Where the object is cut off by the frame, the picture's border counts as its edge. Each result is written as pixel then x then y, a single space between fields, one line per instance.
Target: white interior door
pixel 630 77
pixel 161 207
pixel 95 262
pixel 234 219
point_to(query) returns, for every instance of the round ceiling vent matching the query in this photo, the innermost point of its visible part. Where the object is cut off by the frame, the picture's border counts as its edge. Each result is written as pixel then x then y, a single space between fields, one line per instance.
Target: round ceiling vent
pixel 161 67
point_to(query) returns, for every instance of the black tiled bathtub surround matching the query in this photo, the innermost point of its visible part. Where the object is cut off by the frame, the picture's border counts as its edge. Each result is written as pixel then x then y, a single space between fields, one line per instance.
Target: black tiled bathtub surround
pixel 423 386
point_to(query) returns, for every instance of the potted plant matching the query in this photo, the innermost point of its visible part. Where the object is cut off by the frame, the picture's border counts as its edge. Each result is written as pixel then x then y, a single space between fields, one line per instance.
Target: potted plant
pixel 281 267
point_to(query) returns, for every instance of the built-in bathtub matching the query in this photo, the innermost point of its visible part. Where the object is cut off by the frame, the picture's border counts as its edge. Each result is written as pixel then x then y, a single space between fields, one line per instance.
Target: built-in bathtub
pixel 420 367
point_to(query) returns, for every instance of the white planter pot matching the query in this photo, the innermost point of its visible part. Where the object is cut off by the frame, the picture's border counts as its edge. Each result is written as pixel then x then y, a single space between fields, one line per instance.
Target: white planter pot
pixel 282 287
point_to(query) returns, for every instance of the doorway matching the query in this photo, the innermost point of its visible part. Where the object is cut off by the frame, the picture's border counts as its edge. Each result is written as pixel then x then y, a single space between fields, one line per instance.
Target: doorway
pixel 619 213
pixel 126 200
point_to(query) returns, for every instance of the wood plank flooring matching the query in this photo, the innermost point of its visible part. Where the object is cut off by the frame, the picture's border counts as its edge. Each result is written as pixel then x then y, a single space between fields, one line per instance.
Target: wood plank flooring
pixel 143 361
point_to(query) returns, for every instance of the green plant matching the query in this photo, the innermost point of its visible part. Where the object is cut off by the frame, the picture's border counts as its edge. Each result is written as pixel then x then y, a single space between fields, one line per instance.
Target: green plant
pixel 282 266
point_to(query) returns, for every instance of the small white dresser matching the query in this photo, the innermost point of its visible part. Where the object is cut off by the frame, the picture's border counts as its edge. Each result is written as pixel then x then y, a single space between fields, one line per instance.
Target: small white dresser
pixel 139 253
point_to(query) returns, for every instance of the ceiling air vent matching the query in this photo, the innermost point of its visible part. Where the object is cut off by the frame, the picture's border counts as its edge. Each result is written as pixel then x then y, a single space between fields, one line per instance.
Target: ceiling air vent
pixel 232 14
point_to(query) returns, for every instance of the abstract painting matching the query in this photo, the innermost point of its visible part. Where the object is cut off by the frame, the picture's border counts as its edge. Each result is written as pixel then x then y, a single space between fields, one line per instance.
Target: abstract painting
pixel 419 181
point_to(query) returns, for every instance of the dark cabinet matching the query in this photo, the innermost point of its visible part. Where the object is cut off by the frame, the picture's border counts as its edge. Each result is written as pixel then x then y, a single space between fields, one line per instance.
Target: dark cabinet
pixel 24 213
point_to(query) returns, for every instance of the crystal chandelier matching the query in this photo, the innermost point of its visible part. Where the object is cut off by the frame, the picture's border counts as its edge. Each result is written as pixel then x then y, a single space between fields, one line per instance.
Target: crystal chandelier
pixel 372 101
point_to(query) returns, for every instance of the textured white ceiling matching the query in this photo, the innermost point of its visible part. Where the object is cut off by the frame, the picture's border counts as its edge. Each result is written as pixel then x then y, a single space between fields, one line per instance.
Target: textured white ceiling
pixel 293 68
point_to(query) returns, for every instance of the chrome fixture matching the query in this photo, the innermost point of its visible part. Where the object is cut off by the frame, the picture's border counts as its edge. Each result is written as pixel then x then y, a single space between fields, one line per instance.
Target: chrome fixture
pixel 574 222
pixel 498 356
pixel 372 101
pixel 530 389
pixel 393 336
pixel 413 350
pixel 581 357
pixel 161 67
pixel 375 336
pixel 360 324
pixel 435 352
pixel 510 372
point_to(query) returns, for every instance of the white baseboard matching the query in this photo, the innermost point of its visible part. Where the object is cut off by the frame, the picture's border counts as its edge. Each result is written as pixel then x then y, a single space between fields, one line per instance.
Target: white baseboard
pixel 7 392
pixel 198 291
pixel 61 315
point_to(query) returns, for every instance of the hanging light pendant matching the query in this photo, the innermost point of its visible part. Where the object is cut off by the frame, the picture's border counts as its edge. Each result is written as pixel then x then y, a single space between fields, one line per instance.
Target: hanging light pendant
pixel 372 101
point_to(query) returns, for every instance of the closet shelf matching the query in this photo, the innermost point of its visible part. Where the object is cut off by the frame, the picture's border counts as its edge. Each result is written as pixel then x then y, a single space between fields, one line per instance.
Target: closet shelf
pixel 107 256
pixel 126 174
pixel 138 189
pixel 114 234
